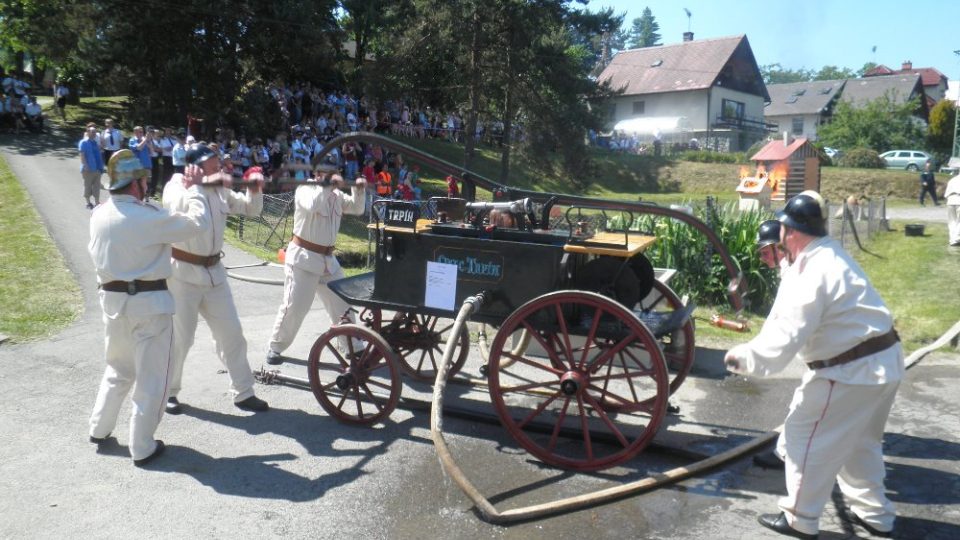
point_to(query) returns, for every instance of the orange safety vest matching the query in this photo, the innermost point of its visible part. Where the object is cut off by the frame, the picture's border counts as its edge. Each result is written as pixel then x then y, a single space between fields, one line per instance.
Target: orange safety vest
pixel 384 184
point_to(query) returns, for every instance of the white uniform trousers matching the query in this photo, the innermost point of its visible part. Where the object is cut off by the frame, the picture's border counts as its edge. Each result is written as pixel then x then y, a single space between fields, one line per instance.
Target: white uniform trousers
pixel 833 431
pixel 299 288
pixel 138 355
pixel 216 305
pixel 953 224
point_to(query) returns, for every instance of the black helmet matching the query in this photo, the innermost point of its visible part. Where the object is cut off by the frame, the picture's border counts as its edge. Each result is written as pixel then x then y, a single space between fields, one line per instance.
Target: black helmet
pixel 198 155
pixel 806 213
pixel 768 233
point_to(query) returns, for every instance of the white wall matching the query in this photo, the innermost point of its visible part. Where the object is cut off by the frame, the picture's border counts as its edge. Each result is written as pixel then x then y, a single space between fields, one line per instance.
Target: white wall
pixel 691 104
pixel 810 124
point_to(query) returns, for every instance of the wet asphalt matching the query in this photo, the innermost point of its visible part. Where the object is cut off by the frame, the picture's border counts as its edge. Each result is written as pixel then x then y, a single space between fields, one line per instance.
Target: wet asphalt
pixel 295 472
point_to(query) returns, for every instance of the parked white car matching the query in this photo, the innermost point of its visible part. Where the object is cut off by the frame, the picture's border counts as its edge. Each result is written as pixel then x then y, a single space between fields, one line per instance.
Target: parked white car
pixel 911 160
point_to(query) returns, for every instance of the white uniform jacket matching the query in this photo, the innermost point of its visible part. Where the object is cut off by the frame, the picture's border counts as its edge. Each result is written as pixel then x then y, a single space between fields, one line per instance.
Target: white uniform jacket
pixel 952 192
pixel 221 202
pixel 825 306
pixel 140 248
pixel 316 219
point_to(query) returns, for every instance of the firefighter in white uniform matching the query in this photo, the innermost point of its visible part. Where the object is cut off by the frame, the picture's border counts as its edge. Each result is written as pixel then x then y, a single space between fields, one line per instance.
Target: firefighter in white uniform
pixel 199 282
pixel 130 246
pixel 952 194
pixel 829 316
pixel 309 263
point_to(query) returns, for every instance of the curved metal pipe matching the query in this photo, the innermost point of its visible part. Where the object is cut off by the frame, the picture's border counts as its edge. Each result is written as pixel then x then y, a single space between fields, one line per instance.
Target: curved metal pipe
pixel 735 288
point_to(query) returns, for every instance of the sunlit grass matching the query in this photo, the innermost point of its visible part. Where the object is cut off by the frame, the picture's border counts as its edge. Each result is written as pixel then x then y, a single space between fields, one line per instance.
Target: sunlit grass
pixel 38 295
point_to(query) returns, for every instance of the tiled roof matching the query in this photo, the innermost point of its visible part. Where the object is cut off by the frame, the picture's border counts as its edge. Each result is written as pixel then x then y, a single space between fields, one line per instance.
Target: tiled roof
pixel 901 88
pixel 776 151
pixel 928 75
pixel 690 65
pixel 801 98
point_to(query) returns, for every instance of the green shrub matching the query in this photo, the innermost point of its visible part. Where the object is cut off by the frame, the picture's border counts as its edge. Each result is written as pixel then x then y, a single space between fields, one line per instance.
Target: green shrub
pixel 862 158
pixel 706 156
pixel 701 273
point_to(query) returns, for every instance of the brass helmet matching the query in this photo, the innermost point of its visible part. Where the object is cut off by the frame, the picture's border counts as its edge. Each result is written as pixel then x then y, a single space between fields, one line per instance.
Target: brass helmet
pixel 124 167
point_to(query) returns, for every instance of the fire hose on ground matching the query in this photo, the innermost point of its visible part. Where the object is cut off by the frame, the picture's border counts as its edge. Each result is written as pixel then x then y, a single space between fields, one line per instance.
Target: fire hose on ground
pixel 491 514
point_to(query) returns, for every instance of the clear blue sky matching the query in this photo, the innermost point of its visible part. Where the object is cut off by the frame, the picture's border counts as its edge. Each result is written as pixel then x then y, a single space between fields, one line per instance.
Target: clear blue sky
pixel 810 34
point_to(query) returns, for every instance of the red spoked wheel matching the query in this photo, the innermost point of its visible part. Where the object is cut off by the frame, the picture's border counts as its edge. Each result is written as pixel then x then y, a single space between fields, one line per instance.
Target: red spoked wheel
pixel 358 383
pixel 591 394
pixel 419 341
pixel 678 346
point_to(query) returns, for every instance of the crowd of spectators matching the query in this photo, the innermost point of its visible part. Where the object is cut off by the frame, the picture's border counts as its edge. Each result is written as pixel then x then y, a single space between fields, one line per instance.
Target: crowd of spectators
pixel 19 110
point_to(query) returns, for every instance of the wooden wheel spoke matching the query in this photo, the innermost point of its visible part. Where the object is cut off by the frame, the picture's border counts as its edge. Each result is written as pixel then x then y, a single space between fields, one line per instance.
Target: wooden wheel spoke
pixel 547 346
pixel 633 390
pixel 433 359
pixel 356 394
pixel 556 428
pixel 585 427
pixel 591 336
pixel 533 414
pixel 532 363
pixel 567 347
pixel 526 387
pixel 607 354
pixel 606 420
pixel 373 398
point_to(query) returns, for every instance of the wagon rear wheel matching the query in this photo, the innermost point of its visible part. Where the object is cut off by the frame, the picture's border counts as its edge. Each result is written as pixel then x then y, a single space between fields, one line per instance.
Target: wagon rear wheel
pixel 591 389
pixel 419 341
pixel 678 346
pixel 358 385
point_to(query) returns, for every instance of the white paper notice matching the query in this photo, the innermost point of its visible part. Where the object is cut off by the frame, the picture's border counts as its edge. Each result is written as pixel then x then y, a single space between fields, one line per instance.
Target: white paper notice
pixel 441 290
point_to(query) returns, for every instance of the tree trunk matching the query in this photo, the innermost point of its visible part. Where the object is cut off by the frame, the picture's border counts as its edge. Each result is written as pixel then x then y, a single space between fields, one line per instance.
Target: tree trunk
pixel 469 142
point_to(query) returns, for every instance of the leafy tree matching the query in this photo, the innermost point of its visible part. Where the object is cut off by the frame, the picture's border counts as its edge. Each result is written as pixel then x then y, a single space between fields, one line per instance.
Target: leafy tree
pixel 831 73
pixel 940 131
pixel 644 32
pixel 777 74
pixel 880 124
pixel 866 67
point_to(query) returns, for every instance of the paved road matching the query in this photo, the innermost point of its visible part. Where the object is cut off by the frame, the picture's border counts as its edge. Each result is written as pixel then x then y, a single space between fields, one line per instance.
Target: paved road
pixel 294 472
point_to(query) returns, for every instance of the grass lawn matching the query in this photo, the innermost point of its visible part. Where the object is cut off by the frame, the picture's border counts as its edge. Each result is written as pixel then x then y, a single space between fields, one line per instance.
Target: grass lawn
pixel 30 308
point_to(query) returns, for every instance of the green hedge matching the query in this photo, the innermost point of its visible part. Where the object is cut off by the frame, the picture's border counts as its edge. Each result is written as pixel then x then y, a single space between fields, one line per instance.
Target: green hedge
pixel 862 158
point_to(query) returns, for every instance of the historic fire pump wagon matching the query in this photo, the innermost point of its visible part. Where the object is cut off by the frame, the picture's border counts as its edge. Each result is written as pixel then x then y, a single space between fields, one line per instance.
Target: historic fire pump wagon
pixel 589 344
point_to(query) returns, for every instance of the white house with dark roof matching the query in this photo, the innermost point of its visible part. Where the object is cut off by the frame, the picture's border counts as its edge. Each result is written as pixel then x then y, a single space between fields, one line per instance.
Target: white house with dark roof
pixel 709 89
pixel 800 108
pixel 899 88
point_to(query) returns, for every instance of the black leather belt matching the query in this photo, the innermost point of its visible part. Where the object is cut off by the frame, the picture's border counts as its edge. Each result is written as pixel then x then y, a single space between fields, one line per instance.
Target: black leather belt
pixel 135 286
pixel 868 347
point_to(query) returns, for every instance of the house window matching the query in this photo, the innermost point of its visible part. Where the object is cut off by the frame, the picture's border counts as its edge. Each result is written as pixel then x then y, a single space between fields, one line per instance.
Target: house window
pixel 638 107
pixel 732 109
pixel 797 126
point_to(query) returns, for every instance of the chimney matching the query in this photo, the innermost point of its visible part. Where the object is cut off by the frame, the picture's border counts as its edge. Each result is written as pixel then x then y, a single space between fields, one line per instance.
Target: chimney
pixel 907 65
pixel 688 36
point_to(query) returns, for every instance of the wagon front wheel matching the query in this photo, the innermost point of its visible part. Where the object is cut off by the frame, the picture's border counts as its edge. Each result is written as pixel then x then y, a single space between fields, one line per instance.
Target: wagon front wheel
pixel 354 375
pixel 589 392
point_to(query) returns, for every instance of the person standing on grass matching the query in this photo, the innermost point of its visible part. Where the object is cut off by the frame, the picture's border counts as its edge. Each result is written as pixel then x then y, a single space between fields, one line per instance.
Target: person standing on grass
pixel 91 166
pixel 130 247
pixel 928 184
pixel 828 316
pixel 61 92
pixel 952 194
